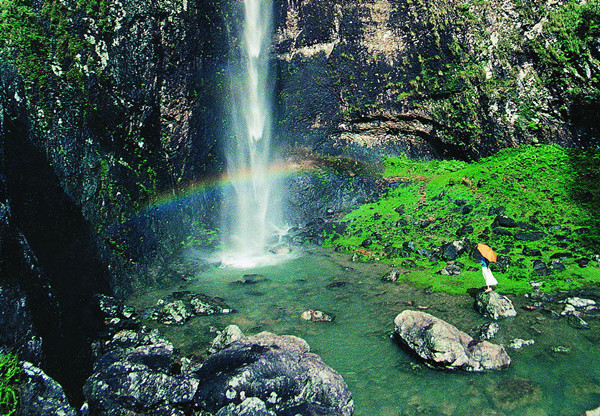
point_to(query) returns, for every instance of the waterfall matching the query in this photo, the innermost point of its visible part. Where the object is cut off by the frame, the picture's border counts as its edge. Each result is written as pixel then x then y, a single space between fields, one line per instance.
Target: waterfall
pixel 247 206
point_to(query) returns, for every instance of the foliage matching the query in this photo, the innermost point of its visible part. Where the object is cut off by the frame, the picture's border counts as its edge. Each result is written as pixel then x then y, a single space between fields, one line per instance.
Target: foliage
pixel 10 371
pixel 547 189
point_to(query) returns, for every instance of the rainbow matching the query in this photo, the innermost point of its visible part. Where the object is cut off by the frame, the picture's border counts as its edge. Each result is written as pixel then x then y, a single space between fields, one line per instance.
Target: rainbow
pixel 212 186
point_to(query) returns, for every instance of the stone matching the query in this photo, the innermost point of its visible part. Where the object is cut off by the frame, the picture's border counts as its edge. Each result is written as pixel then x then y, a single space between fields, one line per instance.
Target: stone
pixel 494 305
pixel 518 343
pixel 464 230
pixel 442 345
pixel 582 262
pixel 172 313
pixel 450 251
pixel 40 395
pixel 317 316
pixel 577 322
pixel 452 269
pixel 251 279
pixel 408 246
pixel 207 305
pixel 556 265
pixel 561 256
pixel 487 330
pixel 531 252
pixel 579 302
pixel 504 221
pixel 540 268
pixel 108 305
pixel 281 249
pixel 502 232
pixel 560 349
pixel 467 209
pixel 592 412
pixel 392 275
pixel 534 236
pixel 280 371
pixel 230 334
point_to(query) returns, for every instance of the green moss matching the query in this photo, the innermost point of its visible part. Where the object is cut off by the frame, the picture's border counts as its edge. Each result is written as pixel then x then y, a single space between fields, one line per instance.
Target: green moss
pixel 555 186
pixel 10 372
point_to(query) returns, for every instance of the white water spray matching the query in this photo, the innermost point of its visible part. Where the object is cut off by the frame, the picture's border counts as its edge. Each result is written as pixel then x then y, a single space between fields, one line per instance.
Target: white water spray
pixel 248 210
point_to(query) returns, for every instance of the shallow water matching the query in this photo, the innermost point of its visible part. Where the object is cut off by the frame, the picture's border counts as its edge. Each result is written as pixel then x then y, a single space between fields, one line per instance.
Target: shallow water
pixel 384 379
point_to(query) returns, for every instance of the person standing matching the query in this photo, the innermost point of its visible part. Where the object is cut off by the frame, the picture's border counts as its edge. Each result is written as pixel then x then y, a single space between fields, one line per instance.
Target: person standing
pixel 486 254
pixel 490 280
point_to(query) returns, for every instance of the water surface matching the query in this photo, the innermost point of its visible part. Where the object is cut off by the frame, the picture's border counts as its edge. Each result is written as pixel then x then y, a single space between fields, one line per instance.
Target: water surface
pixel 384 379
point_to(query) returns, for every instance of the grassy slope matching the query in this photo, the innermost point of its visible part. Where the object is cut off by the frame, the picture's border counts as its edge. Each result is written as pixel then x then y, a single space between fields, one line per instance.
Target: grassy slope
pixel 558 187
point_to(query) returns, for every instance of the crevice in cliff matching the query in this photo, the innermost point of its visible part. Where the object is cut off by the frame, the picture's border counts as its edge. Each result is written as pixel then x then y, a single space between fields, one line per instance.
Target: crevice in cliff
pixel 66 253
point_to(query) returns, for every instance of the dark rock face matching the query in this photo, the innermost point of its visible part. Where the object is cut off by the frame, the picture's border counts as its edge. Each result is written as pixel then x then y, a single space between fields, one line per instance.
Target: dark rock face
pixel 494 305
pixel 443 345
pixel 279 371
pixel 18 332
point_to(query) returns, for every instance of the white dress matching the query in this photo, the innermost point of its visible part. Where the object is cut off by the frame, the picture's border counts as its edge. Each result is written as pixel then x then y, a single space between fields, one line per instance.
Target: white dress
pixel 490 280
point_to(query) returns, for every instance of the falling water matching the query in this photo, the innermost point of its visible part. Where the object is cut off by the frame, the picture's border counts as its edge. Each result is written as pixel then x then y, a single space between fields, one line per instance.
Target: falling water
pixel 248 208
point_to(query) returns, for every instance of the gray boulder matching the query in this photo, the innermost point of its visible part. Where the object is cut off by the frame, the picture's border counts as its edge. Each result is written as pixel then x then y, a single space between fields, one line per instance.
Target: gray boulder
pixel 494 305
pixel 442 345
pixel 279 371
pixel 135 373
pixel 41 395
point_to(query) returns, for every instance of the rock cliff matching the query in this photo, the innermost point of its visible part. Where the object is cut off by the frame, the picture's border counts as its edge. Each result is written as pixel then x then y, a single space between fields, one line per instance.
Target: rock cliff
pixel 436 78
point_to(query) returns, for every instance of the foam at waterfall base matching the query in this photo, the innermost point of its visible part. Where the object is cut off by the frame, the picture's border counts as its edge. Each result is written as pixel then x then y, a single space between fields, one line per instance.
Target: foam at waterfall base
pixel 251 260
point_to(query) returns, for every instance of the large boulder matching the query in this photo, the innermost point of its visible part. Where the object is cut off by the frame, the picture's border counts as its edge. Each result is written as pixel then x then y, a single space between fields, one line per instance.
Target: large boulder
pixel 442 345
pixel 278 371
pixel 136 373
pixel 494 305
pixel 41 395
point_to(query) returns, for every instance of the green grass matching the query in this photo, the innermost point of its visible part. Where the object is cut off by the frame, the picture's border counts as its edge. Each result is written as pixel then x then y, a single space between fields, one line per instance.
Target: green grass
pixel 10 371
pixel 558 187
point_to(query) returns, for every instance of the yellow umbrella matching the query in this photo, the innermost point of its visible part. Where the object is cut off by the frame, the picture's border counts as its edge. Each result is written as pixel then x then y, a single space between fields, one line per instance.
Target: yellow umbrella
pixel 487 252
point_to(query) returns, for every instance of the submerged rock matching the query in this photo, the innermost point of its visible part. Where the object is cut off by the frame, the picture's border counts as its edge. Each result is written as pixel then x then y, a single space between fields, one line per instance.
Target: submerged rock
pixel 513 393
pixel 279 371
pixel 518 343
pixel 443 345
pixel 317 316
pixel 172 313
pixel 494 305
pixel 207 305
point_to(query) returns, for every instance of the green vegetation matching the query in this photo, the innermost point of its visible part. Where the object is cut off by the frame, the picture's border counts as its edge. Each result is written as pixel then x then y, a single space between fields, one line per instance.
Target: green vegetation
pixel 10 371
pixel 550 192
pixel 48 46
